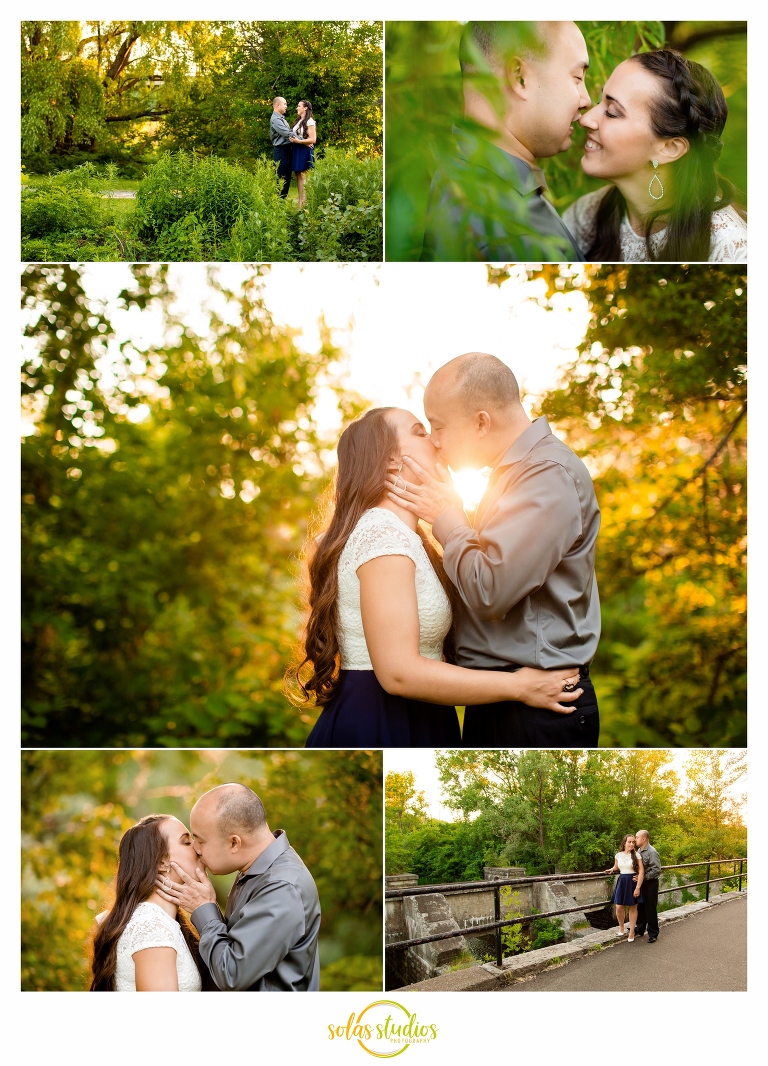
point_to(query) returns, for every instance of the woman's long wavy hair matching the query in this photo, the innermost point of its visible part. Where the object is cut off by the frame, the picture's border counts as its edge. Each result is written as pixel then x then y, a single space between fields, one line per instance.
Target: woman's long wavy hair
pixel 366 451
pixel 635 860
pixel 304 120
pixel 690 104
pixel 143 849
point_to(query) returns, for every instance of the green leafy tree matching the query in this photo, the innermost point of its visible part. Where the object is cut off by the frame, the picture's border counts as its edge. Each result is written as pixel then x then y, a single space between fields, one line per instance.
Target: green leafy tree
pixel 337 66
pixel 655 403
pixel 165 493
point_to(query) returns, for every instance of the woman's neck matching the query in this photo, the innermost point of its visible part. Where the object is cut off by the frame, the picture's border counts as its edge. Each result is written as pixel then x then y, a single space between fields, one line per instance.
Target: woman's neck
pixel 404 515
pixel 640 204
pixel 157 899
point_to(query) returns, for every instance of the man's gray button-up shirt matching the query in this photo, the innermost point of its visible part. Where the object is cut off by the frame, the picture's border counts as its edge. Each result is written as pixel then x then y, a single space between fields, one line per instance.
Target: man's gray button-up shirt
pixel 267 940
pixel 279 130
pixel 651 862
pixel 487 205
pixel 526 571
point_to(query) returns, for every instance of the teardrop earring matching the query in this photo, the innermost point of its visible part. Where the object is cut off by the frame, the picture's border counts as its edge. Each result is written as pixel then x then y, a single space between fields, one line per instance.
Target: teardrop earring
pixel 657 179
pixel 400 478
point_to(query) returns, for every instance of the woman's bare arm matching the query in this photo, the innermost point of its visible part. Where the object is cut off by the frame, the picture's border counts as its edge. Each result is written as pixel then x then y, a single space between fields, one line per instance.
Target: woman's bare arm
pixel 391 624
pixel 156 970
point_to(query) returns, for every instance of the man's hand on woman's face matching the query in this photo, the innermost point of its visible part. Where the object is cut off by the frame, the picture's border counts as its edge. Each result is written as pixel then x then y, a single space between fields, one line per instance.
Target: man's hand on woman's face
pixel 430 498
pixel 192 893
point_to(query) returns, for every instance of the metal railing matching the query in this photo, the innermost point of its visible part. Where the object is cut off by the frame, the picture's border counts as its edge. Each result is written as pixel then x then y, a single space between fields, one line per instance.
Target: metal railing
pixel 498 924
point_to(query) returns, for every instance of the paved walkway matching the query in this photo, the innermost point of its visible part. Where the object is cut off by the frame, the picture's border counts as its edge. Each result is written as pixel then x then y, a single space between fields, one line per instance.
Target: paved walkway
pixel 704 953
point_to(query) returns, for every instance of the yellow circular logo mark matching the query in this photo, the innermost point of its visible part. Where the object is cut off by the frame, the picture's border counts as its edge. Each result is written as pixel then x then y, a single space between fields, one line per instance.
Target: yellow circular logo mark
pixel 391 1030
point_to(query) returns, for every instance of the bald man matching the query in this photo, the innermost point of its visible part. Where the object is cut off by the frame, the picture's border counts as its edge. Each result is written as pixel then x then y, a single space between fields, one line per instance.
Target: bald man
pixel 525 568
pixel 523 93
pixel 282 136
pixel 267 939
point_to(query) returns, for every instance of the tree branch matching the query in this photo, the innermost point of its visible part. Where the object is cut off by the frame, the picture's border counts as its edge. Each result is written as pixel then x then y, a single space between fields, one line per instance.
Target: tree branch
pixel 140 114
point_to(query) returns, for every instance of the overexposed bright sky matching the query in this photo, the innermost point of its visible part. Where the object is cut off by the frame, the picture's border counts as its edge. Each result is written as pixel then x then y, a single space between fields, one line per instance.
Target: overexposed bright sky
pixel 396 326
pixel 421 761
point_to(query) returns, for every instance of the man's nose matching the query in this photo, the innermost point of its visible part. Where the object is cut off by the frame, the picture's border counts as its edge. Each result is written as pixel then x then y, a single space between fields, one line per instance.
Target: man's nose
pixel 584 100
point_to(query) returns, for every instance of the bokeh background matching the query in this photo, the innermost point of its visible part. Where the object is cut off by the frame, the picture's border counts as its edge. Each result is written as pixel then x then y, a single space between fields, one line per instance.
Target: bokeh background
pixel 77 805
pixel 424 98
pixel 180 427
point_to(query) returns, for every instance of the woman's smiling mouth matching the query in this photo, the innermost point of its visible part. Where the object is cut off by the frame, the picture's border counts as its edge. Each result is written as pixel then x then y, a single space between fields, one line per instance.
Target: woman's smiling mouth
pixel 591 145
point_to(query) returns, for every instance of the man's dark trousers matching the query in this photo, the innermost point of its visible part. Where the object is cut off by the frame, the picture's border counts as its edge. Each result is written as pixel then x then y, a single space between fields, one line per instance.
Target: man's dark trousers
pixel 646 911
pixel 516 725
pixel 283 156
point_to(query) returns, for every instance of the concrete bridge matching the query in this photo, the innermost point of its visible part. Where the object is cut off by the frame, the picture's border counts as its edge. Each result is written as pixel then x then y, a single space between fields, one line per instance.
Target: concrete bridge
pixel 702 947
pixel 446 937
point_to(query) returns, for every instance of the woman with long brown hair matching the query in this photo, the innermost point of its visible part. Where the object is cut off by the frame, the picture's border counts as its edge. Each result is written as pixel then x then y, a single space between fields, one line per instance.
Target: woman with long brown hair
pixel 377 639
pixel 628 890
pixel 655 137
pixel 303 154
pixel 143 943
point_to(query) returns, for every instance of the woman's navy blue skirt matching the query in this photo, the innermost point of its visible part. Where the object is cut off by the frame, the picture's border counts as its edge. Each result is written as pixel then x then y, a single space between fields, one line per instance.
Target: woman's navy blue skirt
pixel 303 158
pixel 623 891
pixel 363 715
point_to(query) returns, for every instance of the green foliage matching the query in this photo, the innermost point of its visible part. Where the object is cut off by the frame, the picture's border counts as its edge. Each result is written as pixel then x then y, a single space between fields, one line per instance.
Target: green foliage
pixel 343 219
pixel 655 403
pixel 425 97
pixel 337 66
pixel 164 498
pixel 546 931
pixel 122 91
pixel 201 209
pixel 183 186
pixel 77 805
pixel 567 810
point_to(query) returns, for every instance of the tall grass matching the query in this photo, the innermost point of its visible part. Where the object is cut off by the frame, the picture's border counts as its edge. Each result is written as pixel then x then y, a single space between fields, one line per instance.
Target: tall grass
pixel 192 208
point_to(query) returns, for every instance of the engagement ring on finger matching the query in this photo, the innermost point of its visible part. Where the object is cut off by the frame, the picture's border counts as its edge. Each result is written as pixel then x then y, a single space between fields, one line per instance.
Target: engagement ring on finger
pixel 569 687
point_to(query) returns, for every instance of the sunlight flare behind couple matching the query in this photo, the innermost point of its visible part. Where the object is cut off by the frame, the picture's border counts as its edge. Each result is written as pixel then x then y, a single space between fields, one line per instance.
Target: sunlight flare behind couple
pixel 505 622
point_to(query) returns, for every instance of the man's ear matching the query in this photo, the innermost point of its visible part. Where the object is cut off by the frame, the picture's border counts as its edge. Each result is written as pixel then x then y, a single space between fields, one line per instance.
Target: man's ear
pixel 516 71
pixel 235 843
pixel 673 149
pixel 483 423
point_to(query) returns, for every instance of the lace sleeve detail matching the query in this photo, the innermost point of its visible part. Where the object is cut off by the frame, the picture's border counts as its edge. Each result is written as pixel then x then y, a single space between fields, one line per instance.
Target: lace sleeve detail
pixel 729 237
pixel 146 930
pixel 376 534
pixel 581 215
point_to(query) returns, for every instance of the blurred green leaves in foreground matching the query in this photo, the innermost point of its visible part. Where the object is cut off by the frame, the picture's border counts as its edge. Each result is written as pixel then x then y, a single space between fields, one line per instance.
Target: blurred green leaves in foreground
pixel 77 805
pixel 424 99
pixel 165 496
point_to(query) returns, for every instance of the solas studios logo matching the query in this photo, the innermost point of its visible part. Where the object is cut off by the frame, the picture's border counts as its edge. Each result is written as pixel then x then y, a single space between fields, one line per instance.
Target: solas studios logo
pixel 384 1029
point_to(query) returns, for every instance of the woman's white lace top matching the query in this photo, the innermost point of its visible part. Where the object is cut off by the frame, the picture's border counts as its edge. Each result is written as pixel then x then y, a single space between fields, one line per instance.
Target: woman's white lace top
pixel 380 532
pixel 729 232
pixel 310 122
pixel 152 927
pixel 625 863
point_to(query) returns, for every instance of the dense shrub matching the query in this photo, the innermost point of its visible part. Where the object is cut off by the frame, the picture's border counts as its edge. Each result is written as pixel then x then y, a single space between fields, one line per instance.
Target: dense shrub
pixel 190 208
pixel 61 203
pixel 188 198
pixel 343 219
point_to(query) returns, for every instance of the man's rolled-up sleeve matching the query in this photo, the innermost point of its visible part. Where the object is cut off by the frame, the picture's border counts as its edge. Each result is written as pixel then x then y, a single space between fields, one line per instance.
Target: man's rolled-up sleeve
pixel 266 928
pixel 531 530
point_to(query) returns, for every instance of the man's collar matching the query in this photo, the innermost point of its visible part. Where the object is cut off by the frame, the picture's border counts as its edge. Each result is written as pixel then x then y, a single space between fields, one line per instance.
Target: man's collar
pixel 474 148
pixel 263 862
pixel 525 442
